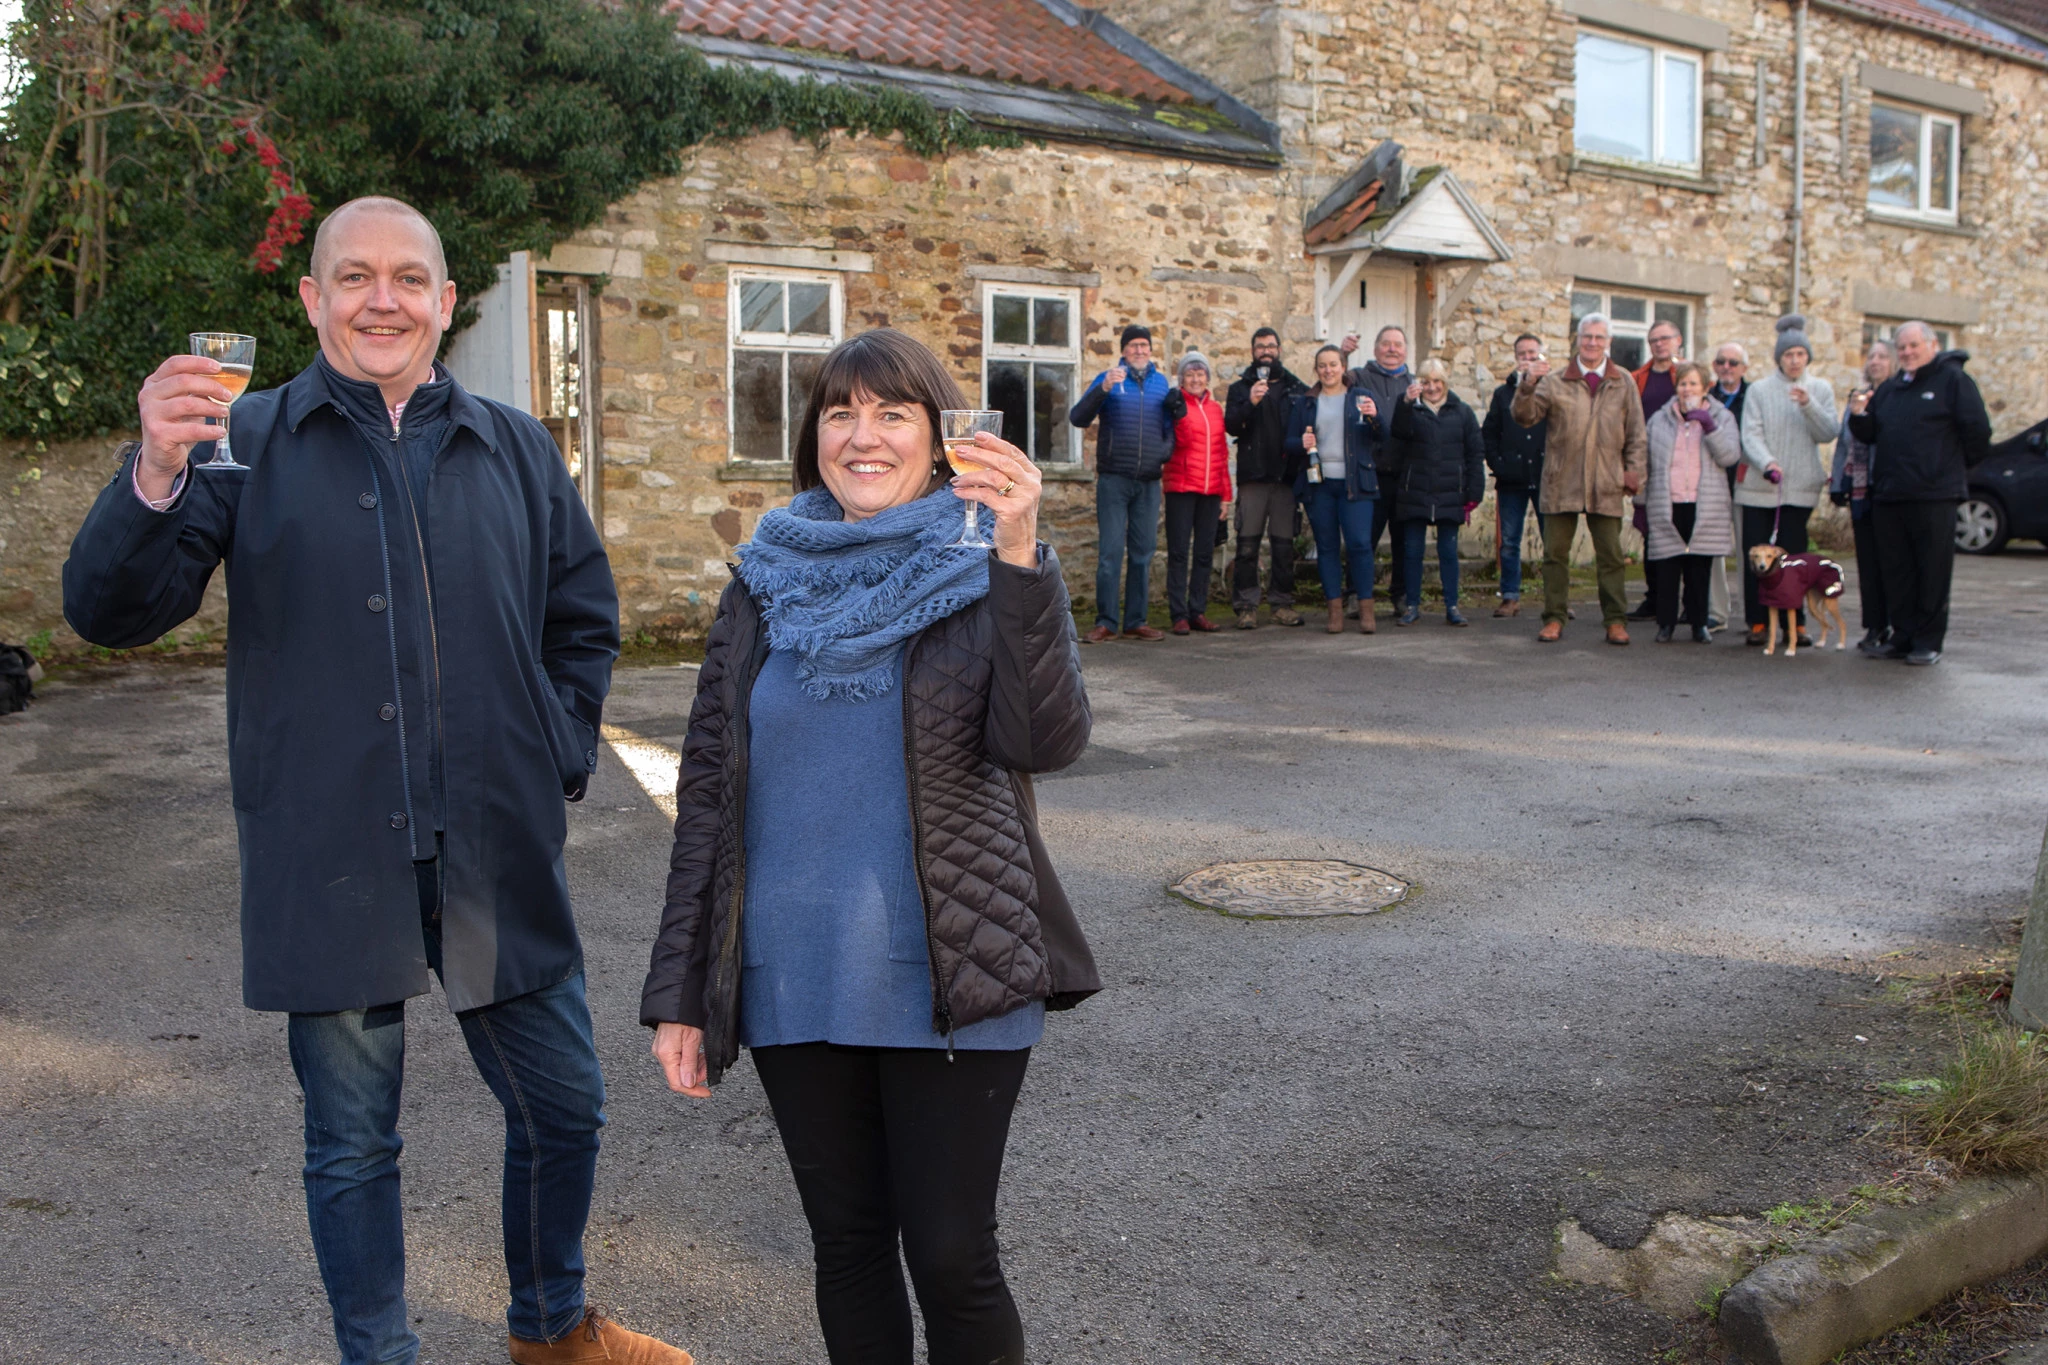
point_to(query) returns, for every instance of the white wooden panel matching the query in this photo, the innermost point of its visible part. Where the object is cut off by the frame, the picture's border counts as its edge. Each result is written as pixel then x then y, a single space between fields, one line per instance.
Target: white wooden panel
pixel 1389 298
pixel 1437 225
pixel 494 357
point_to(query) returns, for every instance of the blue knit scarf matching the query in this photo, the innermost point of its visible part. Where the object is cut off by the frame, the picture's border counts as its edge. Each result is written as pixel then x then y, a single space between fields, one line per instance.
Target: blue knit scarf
pixel 843 595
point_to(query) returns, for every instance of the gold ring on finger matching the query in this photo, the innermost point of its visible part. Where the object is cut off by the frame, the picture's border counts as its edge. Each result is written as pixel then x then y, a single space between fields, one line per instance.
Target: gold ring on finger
pixel 1005 489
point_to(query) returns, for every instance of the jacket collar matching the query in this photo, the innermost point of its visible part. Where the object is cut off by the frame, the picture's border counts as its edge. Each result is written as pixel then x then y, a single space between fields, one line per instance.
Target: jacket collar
pixel 319 385
pixel 1608 371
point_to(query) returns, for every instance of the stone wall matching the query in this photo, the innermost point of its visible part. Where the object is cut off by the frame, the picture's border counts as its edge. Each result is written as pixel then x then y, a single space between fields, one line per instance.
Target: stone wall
pixel 42 503
pixel 1200 253
pixel 1487 89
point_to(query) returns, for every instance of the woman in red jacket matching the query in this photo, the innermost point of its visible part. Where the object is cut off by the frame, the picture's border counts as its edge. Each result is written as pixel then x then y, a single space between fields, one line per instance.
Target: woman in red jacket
pixel 1196 481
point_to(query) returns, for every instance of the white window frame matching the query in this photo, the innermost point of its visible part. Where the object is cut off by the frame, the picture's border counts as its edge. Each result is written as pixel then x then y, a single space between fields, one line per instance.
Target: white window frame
pixel 1884 329
pixel 1930 120
pixel 1069 355
pixel 1659 52
pixel 1637 330
pixel 738 340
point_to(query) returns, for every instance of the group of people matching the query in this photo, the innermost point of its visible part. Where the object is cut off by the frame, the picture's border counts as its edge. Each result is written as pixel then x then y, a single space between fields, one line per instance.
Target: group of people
pixel 399 773
pixel 1706 460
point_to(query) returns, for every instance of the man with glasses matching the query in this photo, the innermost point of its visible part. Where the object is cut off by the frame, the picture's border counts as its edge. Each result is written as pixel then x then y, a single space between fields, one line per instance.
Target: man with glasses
pixel 1595 449
pixel 1653 382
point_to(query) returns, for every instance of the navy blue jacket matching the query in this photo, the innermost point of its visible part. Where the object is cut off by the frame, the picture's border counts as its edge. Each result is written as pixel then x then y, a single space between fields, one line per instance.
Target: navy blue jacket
pixel 372 639
pixel 1925 433
pixel 1138 417
pixel 1361 444
pixel 1441 461
pixel 1513 452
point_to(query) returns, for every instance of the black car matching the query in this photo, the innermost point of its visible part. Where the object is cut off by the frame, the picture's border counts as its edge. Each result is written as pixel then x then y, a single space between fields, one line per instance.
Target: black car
pixel 2008 495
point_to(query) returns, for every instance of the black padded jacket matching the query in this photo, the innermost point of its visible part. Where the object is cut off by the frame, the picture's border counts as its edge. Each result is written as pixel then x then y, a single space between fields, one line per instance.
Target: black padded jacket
pixel 991 694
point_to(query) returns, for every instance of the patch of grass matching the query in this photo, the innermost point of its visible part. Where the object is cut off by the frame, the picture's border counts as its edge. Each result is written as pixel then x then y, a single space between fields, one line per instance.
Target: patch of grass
pixel 38 644
pixel 1989 1113
pixel 647 649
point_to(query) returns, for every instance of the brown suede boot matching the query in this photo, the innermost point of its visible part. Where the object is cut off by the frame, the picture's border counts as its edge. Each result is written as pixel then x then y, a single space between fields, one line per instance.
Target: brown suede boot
pixel 598 1339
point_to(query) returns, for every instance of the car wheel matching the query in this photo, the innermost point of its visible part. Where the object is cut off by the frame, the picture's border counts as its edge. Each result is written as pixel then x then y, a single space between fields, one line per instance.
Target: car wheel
pixel 1980 526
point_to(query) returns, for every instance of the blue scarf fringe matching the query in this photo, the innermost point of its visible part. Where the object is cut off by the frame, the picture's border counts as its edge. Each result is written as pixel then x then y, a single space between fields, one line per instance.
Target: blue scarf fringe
pixel 844 595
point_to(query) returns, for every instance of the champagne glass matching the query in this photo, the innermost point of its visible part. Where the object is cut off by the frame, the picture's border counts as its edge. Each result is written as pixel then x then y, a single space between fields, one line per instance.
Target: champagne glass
pixel 237 357
pixel 957 429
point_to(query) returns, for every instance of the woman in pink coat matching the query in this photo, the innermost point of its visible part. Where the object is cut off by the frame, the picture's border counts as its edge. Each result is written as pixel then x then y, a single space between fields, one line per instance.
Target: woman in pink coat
pixel 1196 481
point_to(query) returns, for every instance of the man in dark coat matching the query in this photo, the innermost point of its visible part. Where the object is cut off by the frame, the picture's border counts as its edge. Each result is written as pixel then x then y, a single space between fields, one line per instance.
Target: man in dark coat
pixel 421 631
pixel 1138 407
pixel 1255 412
pixel 1389 380
pixel 1514 453
pixel 1927 425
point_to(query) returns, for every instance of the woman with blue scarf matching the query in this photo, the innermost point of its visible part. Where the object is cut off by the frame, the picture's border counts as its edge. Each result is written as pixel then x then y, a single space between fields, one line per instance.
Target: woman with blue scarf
pixel 858 893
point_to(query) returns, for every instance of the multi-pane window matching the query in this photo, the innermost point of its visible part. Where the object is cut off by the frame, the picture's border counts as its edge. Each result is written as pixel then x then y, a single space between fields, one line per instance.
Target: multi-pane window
pixel 1883 329
pixel 1031 352
pixel 1914 162
pixel 782 325
pixel 1630 316
pixel 1637 102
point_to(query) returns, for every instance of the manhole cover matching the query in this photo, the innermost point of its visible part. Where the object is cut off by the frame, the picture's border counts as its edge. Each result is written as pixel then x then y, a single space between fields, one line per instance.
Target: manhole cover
pixel 1291 888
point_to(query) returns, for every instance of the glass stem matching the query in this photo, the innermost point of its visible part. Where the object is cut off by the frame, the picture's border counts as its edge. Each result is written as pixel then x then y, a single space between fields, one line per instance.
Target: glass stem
pixel 223 453
pixel 973 521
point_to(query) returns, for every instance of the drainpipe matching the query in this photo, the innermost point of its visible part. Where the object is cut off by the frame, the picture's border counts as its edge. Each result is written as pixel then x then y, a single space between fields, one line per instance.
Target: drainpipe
pixel 1798 152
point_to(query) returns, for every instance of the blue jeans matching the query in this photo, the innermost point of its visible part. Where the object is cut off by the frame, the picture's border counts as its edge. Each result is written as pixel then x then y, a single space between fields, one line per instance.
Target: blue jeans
pixel 1412 533
pixel 1332 514
pixel 537 1055
pixel 1126 528
pixel 1512 507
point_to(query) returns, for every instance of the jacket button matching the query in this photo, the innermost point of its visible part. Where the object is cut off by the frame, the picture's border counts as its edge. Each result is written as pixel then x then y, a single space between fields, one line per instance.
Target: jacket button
pixel 367 500
pixel 387 711
pixel 590 758
pixel 376 602
pixel 398 819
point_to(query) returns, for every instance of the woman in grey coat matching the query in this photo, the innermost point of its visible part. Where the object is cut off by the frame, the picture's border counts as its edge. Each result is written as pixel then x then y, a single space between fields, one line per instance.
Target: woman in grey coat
pixel 1686 499
pixel 1787 417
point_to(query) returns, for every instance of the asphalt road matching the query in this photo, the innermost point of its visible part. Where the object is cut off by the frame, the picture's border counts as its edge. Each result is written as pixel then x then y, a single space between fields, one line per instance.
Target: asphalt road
pixel 1655 888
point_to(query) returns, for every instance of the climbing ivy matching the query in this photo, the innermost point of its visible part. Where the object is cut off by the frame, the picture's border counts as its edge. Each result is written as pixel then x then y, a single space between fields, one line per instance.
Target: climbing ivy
pixel 511 123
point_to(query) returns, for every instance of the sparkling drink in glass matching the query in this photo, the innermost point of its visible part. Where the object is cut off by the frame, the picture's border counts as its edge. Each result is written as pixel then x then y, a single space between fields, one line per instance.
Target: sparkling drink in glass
pixel 957 430
pixel 236 355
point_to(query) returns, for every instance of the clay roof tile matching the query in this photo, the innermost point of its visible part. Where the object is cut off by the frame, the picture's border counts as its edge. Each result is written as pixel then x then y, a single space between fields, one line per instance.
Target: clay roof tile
pixel 1012 40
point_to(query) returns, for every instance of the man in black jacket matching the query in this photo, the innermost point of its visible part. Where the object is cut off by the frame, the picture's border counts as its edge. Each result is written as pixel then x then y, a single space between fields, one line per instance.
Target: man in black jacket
pixel 421 631
pixel 1927 426
pixel 1515 455
pixel 1255 412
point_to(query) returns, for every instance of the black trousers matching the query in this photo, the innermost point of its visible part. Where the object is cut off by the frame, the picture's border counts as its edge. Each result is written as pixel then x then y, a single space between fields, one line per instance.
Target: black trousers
pixel 1265 513
pixel 1916 549
pixel 1190 527
pixel 1689 571
pixel 1756 530
pixel 1870 576
pixel 889 1143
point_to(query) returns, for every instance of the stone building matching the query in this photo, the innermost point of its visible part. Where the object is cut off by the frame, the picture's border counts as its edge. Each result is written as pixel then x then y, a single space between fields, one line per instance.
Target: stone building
pixel 1471 170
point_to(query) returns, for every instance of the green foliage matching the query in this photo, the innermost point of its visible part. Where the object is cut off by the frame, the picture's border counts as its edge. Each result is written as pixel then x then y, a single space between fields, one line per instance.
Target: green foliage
pixel 511 123
pixel 36 389
pixel 1989 1114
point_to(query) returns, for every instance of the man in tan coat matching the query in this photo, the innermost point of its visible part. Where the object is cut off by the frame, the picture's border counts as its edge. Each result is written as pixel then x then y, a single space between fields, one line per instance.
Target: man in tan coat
pixel 1595 453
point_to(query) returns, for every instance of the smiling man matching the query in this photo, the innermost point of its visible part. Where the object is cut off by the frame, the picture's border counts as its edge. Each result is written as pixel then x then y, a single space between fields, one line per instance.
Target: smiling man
pixel 421 631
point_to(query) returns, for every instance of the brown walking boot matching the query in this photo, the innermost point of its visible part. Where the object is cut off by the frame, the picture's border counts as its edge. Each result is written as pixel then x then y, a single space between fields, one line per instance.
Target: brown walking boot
pixel 1336 626
pixel 1098 635
pixel 1144 633
pixel 1509 607
pixel 1617 633
pixel 597 1341
pixel 1552 632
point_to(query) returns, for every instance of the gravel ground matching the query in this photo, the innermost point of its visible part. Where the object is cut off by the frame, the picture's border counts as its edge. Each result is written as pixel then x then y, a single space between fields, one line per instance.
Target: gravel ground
pixel 1655 888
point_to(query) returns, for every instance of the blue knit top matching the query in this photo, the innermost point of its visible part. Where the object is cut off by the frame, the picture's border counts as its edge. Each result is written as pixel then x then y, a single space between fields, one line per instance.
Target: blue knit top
pixel 832 931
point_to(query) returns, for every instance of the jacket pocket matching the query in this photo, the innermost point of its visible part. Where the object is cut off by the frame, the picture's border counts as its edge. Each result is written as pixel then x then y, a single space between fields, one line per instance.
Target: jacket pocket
pixel 569 740
pixel 252 757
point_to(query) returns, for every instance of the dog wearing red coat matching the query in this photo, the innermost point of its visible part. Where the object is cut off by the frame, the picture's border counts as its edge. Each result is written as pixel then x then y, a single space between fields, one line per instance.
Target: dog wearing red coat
pixel 1786 582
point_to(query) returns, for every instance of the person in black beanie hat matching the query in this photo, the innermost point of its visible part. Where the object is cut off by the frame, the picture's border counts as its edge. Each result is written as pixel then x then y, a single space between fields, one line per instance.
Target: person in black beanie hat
pixel 1138 407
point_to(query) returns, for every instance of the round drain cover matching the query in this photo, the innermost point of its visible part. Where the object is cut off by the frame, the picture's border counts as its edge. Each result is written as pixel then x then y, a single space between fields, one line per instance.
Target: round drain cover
pixel 1290 888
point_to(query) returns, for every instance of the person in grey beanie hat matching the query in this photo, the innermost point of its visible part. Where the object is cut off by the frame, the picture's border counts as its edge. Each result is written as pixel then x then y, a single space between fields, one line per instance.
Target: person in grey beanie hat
pixel 1786 418
pixel 1791 332
pixel 1197 484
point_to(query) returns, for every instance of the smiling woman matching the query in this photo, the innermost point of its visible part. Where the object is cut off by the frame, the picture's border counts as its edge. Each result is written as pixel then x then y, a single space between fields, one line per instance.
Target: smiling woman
pixel 858 892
